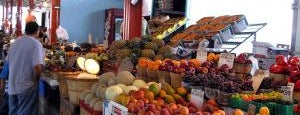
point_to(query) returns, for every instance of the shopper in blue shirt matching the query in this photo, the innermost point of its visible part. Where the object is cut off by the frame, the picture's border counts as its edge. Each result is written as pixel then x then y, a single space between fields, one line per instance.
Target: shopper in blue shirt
pixel 4 77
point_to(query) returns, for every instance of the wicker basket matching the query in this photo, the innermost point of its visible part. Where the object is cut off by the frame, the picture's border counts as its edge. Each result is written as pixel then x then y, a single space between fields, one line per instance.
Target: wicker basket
pixel 279 77
pixel 164 77
pixel 77 85
pixel 238 68
pixel 152 73
pixel 141 71
pixel 63 88
pixel 247 68
pixel 176 80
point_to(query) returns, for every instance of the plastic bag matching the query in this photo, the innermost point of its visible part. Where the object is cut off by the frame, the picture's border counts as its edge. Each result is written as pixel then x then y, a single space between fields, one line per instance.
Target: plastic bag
pixel 62 34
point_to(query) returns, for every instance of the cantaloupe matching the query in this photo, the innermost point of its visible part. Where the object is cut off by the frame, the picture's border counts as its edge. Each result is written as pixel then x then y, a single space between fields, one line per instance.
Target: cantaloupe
pixel 98 106
pixel 99 90
pixel 94 101
pixel 130 88
pixel 112 81
pixel 122 86
pixel 139 83
pixel 89 97
pixel 94 87
pixel 103 79
pixel 112 92
pixel 124 77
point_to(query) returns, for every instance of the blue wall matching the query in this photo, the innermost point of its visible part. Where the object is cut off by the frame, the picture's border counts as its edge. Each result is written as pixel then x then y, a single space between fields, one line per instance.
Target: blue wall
pixel 81 17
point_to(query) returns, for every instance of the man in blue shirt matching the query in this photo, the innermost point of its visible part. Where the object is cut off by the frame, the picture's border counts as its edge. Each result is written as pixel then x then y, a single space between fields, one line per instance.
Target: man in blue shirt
pixel 25 60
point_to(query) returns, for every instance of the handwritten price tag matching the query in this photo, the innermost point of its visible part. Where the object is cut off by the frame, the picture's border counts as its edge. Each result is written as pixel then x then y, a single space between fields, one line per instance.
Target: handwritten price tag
pixel 202 56
pixel 288 92
pixel 197 97
pixel 226 58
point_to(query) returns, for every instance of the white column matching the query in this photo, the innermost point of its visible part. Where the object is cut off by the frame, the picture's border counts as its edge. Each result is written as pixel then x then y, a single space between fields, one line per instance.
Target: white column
pixel 297 41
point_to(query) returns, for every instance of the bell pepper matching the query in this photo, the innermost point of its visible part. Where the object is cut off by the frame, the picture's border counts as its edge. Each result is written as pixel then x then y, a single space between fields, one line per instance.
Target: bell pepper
pixel 277 69
pixel 294 61
pixel 281 60
pixel 297 85
pixel 294 76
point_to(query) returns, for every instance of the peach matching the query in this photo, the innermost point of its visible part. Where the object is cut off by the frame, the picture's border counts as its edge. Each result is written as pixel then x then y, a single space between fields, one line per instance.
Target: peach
pixel 184 110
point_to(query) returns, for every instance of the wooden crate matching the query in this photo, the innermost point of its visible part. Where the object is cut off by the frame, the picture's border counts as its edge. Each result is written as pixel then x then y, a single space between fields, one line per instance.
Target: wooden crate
pixel 67 108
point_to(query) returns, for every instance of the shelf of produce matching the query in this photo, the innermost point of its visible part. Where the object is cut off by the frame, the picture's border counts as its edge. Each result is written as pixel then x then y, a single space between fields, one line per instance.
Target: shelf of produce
pixel 241 37
pixel 168 36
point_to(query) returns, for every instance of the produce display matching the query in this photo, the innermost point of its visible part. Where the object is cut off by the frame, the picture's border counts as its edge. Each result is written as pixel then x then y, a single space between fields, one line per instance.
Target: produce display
pixel 159 83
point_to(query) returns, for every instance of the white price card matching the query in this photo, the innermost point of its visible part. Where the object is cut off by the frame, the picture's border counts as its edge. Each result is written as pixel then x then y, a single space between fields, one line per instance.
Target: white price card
pixel 226 58
pixel 197 97
pixel 113 108
pixel 202 56
pixel 287 93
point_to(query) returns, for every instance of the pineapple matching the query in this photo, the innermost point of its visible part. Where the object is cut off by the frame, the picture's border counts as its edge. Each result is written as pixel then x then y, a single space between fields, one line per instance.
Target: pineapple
pixel 113 52
pixel 134 43
pixel 159 42
pixel 150 45
pixel 119 44
pixel 165 50
pixel 122 54
pixel 148 53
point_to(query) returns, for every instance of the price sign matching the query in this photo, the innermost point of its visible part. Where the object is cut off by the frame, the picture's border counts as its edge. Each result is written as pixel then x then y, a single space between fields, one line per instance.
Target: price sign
pixel 197 97
pixel 287 93
pixel 113 108
pixel 201 55
pixel 226 58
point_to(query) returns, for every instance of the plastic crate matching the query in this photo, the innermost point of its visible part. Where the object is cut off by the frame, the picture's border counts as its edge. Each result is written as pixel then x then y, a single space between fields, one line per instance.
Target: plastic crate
pixel 283 109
